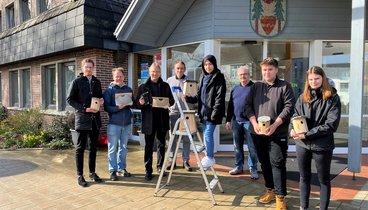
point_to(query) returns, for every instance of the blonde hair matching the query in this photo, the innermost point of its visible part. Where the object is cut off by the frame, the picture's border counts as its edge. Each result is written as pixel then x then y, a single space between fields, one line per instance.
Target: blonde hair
pixel 155 65
pixel 121 69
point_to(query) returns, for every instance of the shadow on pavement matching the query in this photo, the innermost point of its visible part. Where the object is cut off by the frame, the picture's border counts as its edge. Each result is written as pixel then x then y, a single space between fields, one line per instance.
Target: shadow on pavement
pixel 10 167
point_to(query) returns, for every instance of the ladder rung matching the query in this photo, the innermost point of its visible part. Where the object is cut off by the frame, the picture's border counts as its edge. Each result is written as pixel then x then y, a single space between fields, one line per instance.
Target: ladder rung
pixel 200 148
pixel 213 183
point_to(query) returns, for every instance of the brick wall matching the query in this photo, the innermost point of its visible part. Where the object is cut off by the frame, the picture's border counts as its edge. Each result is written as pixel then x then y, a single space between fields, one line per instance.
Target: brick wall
pixel 105 60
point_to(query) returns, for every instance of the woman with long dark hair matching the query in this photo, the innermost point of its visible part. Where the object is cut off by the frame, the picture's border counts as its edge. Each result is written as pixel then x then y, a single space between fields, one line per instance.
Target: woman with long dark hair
pixel 321 107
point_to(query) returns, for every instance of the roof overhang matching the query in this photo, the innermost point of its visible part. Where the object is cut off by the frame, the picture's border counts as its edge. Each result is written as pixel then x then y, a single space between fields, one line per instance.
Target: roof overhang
pixel 151 22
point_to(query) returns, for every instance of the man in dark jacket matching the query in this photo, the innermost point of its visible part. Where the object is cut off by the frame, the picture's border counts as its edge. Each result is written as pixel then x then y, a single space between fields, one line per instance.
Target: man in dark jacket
pixel 155 120
pixel 211 104
pixel 273 98
pixel 87 119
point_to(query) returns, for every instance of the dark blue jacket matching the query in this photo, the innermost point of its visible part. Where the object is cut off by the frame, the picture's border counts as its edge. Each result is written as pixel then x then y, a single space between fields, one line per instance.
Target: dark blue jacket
pixel 122 117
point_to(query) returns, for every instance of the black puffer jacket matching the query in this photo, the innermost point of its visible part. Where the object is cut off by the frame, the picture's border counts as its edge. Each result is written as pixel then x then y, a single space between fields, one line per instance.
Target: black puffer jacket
pixel 323 119
pixel 148 113
pixel 215 94
pixel 80 96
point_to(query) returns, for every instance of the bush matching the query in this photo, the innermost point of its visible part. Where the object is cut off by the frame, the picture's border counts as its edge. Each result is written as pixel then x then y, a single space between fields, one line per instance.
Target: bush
pixel 26 121
pixel 3 113
pixel 59 144
pixel 34 139
pixel 59 130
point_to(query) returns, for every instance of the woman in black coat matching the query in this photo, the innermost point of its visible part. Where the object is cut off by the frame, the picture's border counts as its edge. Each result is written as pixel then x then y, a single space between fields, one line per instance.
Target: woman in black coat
pixel 211 104
pixel 321 107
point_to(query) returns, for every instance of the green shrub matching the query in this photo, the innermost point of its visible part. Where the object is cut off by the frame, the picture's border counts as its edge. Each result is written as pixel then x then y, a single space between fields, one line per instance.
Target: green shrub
pixel 34 139
pixel 59 144
pixel 59 130
pixel 3 113
pixel 26 121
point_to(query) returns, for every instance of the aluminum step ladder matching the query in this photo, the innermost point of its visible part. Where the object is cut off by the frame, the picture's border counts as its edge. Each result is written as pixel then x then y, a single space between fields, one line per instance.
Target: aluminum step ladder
pixel 187 130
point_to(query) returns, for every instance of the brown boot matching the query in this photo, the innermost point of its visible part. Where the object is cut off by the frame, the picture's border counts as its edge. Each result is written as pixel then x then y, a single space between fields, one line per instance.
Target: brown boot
pixel 268 196
pixel 281 202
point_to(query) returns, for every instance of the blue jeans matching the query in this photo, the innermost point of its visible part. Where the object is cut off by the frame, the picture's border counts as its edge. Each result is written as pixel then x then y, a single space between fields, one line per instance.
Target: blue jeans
pixel 117 146
pixel 241 133
pixel 209 129
pixel 185 140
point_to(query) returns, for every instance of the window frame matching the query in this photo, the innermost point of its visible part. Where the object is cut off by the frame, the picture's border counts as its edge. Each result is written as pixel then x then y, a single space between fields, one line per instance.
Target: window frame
pixel 21 7
pixel 20 87
pixel 60 105
pixel 8 21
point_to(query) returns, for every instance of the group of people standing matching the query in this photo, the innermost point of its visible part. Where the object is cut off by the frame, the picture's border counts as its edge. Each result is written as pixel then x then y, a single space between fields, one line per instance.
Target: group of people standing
pixel 272 97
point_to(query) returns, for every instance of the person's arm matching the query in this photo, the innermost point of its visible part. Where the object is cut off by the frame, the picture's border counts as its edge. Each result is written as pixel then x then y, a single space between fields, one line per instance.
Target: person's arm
pixel 72 98
pixel 219 99
pixel 230 111
pixel 332 122
pixel 109 105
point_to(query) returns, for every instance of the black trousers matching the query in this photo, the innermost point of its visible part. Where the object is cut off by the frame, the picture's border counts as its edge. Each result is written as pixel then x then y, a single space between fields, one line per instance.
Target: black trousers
pixel 148 149
pixel 322 160
pixel 81 146
pixel 272 154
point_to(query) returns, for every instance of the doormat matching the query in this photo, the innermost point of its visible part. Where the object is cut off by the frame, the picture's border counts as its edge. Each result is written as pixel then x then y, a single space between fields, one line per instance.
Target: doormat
pixel 338 164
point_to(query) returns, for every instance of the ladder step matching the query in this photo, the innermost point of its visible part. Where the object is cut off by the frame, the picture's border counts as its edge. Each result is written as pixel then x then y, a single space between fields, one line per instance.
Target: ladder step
pixel 200 148
pixel 213 183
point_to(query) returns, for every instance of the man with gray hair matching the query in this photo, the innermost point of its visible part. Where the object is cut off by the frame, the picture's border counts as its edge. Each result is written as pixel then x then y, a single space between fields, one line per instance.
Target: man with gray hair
pixel 239 122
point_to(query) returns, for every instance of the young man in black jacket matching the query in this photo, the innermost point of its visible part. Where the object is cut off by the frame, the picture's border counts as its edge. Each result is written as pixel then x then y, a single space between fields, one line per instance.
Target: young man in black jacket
pixel 273 98
pixel 155 120
pixel 87 119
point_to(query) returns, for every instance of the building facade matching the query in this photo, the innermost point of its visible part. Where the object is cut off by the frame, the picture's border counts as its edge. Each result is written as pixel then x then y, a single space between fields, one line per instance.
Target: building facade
pixel 42 43
pixel 302 34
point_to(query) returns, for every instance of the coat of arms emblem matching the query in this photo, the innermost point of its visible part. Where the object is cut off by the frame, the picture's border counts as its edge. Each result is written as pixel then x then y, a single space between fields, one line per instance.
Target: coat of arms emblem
pixel 268 17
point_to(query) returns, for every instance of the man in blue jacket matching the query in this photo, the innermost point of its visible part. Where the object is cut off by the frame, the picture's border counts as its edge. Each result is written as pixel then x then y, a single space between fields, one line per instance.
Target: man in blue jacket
pixel 118 99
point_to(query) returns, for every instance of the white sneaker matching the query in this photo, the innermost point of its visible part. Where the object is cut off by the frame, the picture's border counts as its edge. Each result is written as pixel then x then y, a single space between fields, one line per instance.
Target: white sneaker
pixel 207 162
pixel 254 174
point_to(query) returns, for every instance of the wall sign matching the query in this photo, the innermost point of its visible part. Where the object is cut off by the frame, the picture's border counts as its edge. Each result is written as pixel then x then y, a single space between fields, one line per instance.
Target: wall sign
pixel 267 17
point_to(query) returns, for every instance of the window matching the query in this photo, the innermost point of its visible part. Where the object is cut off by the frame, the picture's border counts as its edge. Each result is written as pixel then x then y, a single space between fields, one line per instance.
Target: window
pixel 10 16
pixel 67 77
pixel 43 5
pixel 26 88
pixel 13 89
pixel 25 6
pixel 1 22
pixel 56 79
pixel 20 88
pixel 1 90
pixel 49 76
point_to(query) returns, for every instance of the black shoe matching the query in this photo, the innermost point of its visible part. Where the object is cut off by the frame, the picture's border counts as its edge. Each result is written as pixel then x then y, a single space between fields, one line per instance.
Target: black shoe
pixel 187 166
pixel 81 181
pixel 95 177
pixel 125 173
pixel 148 176
pixel 159 171
pixel 169 165
pixel 113 176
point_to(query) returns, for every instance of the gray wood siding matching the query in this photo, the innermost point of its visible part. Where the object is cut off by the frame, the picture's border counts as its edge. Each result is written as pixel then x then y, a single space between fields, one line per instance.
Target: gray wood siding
pixel 196 25
pixel 229 19
pixel 158 17
pixel 306 20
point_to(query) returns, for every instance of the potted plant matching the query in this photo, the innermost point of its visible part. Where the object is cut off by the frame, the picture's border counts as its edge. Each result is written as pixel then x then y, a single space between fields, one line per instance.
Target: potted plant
pixel 71 124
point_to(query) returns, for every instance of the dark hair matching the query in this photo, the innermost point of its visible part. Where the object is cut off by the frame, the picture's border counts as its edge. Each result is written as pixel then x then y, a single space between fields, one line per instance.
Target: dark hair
pixel 271 62
pixel 326 88
pixel 88 60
